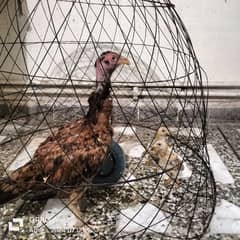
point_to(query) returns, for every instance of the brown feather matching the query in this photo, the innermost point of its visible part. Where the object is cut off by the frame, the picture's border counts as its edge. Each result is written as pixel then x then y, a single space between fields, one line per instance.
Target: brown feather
pixel 71 156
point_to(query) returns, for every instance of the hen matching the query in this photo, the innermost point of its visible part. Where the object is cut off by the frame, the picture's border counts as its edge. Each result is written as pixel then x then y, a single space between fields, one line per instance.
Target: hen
pixel 73 155
pixel 162 134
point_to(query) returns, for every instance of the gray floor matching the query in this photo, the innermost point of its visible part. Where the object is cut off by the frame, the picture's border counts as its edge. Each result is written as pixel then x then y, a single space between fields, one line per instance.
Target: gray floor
pixel 224 137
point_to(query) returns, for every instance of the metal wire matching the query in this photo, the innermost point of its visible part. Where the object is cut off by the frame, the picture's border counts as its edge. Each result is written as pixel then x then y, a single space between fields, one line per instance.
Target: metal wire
pixel 47 56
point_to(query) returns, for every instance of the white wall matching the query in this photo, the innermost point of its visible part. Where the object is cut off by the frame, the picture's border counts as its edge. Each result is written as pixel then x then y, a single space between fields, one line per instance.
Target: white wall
pixel 11 56
pixel 214 27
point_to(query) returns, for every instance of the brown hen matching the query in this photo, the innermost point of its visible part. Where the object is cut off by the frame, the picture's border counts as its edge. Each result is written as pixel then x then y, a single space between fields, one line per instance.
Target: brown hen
pixel 74 154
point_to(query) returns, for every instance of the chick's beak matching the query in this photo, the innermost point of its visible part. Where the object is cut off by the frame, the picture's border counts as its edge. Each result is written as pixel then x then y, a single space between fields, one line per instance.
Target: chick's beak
pixel 123 60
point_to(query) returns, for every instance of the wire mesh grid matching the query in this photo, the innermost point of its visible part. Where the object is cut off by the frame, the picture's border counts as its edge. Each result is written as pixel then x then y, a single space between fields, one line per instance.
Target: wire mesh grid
pixel 47 55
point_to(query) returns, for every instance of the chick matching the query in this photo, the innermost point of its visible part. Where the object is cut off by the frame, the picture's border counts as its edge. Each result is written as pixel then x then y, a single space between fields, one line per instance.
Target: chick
pixel 162 134
pixel 167 160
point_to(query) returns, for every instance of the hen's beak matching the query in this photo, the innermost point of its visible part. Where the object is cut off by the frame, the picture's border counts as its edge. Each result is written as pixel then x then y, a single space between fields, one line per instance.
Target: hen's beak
pixel 123 60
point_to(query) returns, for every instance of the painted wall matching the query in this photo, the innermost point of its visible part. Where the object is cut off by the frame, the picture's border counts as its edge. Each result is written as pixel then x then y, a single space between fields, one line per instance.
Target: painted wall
pixel 214 27
pixel 12 61
pixel 11 54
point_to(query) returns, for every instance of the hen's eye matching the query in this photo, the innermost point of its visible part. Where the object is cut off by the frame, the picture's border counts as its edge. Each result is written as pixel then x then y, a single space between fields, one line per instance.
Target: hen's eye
pixel 106 62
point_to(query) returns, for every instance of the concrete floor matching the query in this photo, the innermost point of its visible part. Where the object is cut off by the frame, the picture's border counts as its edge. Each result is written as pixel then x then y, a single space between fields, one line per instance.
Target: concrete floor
pixel 224 151
pixel 225 138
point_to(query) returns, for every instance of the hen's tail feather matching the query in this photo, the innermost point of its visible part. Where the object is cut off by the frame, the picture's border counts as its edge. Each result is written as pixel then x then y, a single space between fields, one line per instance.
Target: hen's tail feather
pixel 8 191
pixel 6 197
pixel 41 195
pixel 18 182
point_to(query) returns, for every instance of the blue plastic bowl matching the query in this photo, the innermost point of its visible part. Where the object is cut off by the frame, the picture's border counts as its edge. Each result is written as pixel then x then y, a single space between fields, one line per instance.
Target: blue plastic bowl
pixel 113 167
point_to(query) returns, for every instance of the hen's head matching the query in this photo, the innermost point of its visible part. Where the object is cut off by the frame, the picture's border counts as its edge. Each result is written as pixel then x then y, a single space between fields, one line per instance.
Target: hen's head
pixel 106 64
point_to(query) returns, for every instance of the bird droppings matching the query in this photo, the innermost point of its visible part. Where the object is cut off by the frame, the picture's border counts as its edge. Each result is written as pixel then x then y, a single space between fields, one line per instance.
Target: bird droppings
pixel 220 171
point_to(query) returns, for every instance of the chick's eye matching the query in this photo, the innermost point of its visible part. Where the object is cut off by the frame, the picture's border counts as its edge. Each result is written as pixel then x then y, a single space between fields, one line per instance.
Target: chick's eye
pixel 113 58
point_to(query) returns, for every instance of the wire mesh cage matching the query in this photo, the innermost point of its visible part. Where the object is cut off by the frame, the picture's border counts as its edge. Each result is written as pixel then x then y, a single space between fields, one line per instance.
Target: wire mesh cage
pixel 47 54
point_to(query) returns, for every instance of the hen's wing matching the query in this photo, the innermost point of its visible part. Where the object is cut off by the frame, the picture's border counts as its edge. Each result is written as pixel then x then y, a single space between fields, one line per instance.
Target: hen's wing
pixel 74 154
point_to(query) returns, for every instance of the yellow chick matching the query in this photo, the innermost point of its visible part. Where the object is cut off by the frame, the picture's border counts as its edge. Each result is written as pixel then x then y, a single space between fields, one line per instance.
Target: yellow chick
pixel 162 134
pixel 166 159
